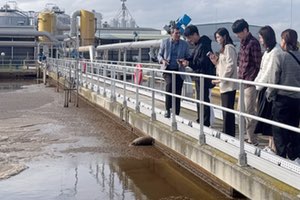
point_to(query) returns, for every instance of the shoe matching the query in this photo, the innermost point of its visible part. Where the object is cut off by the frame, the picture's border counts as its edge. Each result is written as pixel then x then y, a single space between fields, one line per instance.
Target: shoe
pixel 249 142
pixel 290 152
pixel 255 144
pixel 269 150
pixel 167 114
pixel 297 161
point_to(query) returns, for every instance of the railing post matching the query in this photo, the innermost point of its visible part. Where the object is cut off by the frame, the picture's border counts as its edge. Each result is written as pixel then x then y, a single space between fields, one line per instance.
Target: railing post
pixel 44 73
pixel 174 124
pixel 140 55
pixel 201 112
pixel 57 79
pixel 70 80
pixel 98 78
pixel 137 105
pixel 81 74
pixel 77 80
pixel 92 76
pixel 153 114
pixel 124 87
pixel 113 82
pixel 104 80
pixel 242 154
pixel 86 74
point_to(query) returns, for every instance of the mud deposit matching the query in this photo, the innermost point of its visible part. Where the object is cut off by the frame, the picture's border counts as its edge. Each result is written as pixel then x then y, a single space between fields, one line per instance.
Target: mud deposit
pixel 51 152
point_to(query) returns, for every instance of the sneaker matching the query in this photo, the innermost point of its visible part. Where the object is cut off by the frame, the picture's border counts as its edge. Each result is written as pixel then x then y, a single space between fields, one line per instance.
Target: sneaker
pixel 269 150
pixel 297 161
pixel 290 152
pixel 167 114
pixel 255 144
pixel 249 142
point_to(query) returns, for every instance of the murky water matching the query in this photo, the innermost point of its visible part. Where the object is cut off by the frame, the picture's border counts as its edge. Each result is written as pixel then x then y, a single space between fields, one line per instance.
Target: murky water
pixel 112 178
pixel 7 85
pixel 80 153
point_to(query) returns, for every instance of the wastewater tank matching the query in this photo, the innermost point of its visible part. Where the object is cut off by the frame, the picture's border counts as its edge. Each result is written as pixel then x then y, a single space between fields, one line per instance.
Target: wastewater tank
pixel 47 23
pixel 87 27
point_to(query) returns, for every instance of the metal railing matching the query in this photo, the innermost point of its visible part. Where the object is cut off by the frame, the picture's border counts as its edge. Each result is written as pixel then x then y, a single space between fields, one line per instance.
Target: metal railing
pixel 104 77
pixel 17 65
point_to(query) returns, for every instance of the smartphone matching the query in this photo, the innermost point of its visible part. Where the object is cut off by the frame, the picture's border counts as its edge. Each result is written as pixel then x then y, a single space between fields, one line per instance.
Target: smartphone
pixel 209 53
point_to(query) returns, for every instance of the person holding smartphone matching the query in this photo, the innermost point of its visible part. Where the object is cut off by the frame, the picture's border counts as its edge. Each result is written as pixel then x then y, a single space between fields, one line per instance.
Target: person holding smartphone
pixel 171 53
pixel 200 64
pixel 226 65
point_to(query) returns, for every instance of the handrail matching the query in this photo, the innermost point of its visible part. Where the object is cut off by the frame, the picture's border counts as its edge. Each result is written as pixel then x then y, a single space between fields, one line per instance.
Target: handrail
pixel 102 75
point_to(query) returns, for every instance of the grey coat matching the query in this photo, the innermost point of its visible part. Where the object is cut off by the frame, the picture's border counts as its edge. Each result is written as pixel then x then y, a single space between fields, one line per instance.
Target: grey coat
pixel 165 51
pixel 287 74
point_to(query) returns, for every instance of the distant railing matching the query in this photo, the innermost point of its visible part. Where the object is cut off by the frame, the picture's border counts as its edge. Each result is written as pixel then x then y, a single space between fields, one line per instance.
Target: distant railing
pixel 17 65
pixel 104 77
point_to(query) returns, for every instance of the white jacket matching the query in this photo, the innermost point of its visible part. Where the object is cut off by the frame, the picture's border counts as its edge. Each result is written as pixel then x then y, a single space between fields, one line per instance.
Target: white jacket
pixel 270 61
pixel 227 68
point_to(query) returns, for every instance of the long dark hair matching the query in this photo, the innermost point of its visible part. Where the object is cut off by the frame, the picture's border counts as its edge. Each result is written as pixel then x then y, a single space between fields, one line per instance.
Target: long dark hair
pixel 268 35
pixel 290 37
pixel 223 32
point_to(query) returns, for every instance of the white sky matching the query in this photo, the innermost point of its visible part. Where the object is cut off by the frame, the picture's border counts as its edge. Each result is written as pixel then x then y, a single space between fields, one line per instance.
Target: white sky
pixel 157 13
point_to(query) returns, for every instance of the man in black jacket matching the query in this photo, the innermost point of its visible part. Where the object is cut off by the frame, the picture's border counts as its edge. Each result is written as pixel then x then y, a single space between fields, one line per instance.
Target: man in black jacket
pixel 200 63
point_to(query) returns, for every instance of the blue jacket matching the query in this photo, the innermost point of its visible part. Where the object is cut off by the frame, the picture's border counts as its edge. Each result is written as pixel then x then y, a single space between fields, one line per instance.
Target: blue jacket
pixel 165 51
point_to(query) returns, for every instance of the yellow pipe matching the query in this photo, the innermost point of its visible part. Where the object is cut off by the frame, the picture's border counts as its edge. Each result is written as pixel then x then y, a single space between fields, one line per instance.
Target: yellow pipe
pixel 87 28
pixel 46 22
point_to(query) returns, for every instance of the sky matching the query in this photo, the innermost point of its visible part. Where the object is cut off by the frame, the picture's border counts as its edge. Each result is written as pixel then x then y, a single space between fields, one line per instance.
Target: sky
pixel 279 14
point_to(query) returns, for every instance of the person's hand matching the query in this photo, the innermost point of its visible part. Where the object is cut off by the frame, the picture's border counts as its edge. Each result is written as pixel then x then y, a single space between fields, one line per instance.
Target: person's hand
pixel 215 82
pixel 184 63
pixel 213 58
pixel 165 62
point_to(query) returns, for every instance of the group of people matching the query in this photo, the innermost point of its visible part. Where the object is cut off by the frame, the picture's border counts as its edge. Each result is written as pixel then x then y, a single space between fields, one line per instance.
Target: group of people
pixel 277 65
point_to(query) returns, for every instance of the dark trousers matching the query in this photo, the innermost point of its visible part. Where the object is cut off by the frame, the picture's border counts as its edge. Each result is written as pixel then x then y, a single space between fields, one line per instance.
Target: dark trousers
pixel 286 110
pixel 206 99
pixel 178 85
pixel 227 101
